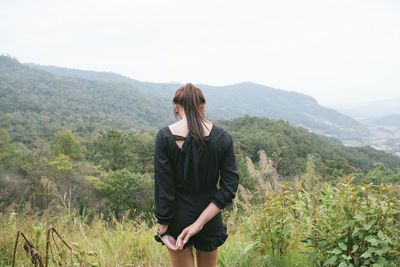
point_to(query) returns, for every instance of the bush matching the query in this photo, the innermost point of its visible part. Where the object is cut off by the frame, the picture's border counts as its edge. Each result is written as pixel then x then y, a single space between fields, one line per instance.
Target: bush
pixel 347 225
pixel 274 226
pixel 125 190
pixel 354 226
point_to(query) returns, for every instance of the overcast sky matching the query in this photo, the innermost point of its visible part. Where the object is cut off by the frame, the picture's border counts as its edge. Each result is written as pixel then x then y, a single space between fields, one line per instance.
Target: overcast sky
pixel 338 51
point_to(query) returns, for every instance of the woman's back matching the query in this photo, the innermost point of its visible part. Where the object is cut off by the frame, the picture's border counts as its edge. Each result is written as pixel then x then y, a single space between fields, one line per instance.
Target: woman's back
pixel 188 183
pixel 190 158
pixel 194 170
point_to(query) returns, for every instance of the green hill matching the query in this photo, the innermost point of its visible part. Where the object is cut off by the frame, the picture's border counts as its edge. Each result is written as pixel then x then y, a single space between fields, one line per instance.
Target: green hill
pixel 37 103
pixel 241 99
pixel 290 146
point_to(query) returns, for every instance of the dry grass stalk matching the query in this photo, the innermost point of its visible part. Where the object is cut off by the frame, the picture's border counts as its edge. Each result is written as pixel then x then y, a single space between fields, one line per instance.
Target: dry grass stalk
pixel 267 176
pixel 246 197
pixel 268 168
pixel 262 186
pixel 34 254
pixel 29 248
pixel 297 181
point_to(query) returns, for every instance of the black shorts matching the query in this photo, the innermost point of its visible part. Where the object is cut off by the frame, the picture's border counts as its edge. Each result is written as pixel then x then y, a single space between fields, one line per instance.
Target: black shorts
pixel 188 209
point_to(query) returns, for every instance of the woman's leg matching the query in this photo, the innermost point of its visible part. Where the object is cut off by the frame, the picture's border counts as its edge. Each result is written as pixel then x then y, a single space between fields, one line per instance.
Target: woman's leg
pixel 182 258
pixel 206 259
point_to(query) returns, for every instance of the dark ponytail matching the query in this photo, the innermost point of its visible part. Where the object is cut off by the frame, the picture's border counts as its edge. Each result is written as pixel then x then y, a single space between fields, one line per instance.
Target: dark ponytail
pixel 191 99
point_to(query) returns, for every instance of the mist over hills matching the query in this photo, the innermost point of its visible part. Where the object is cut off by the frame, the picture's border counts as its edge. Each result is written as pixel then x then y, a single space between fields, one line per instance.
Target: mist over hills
pixel 232 101
pixel 390 121
pixel 371 110
pixel 382 118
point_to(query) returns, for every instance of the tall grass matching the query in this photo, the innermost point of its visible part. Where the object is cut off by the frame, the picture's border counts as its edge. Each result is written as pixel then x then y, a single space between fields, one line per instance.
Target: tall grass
pixel 115 243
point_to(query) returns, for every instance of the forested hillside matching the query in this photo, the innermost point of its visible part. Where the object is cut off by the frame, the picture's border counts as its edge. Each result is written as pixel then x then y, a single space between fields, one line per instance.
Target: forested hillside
pixel 232 101
pixel 37 103
pixel 289 147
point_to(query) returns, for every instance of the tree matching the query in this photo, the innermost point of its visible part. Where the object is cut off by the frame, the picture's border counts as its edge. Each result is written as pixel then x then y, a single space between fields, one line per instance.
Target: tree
pixel 66 143
pixel 380 174
pixel 113 151
pixel 125 190
pixel 143 146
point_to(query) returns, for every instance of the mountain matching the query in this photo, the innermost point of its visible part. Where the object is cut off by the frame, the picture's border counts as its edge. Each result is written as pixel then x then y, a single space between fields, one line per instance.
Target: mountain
pixel 37 103
pixel 236 100
pixel 371 110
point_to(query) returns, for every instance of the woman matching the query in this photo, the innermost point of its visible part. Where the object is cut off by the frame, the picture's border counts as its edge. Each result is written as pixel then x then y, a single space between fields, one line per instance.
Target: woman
pixel 190 157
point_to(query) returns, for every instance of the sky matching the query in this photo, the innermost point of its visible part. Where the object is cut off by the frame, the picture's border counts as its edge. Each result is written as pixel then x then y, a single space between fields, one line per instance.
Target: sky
pixel 338 51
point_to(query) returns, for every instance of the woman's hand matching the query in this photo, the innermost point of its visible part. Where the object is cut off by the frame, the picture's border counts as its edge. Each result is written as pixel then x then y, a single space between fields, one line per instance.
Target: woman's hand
pixel 169 241
pixel 188 232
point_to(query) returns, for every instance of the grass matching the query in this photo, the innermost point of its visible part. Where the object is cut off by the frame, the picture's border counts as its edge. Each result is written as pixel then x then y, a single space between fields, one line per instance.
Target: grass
pixel 118 243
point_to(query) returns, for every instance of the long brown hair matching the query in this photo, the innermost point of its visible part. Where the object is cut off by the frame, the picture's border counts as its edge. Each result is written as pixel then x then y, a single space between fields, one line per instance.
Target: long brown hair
pixel 191 99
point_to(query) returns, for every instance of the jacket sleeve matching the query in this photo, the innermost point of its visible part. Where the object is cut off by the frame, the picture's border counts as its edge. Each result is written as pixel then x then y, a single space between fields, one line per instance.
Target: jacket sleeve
pixel 229 176
pixel 164 185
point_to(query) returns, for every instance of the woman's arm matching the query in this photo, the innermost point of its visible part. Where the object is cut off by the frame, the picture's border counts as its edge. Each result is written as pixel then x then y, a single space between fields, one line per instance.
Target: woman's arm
pixel 207 214
pixel 229 175
pixel 164 185
pixel 164 189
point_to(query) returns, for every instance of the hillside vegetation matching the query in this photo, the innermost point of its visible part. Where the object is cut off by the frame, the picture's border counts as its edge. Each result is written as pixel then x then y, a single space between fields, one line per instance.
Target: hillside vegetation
pixel 36 103
pixel 289 147
pixel 232 101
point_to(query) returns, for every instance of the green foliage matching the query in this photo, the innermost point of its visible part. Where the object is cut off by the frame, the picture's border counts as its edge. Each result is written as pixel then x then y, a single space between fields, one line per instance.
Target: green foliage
pixel 273 225
pixel 114 150
pixel 7 151
pixel 380 174
pixel 354 226
pixel 62 166
pixel 143 146
pixel 244 175
pixel 342 225
pixel 125 190
pixel 66 143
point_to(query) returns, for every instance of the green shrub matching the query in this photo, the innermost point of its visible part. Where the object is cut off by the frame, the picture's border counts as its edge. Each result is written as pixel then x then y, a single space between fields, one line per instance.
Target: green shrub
pixel 274 225
pixel 354 226
pixel 125 190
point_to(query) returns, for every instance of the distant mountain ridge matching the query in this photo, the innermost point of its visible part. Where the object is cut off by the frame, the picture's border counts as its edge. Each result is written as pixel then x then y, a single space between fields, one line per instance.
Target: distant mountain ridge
pixel 371 110
pixel 389 120
pixel 232 101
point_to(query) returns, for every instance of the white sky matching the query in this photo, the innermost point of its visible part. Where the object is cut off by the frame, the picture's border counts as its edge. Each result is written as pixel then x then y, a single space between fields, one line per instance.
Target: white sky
pixel 338 51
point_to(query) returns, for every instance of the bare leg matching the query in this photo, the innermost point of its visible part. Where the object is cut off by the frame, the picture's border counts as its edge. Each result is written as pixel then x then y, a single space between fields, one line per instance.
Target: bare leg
pixel 182 258
pixel 206 259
